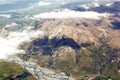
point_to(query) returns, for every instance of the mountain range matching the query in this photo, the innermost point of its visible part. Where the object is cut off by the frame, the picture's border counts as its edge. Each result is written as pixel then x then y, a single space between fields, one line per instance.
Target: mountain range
pixel 60 40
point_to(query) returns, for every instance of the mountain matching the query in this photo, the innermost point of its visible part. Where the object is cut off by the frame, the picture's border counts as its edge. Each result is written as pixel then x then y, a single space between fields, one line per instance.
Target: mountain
pixel 78 46
pixel 12 71
pixel 60 40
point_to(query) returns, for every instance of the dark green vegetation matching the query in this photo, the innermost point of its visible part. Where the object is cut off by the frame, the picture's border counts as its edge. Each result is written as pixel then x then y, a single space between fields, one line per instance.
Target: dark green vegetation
pixel 85 60
pixel 12 71
pixel 104 78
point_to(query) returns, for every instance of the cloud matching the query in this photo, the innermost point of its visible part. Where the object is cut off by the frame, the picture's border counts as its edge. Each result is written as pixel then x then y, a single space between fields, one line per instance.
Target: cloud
pixel 8 1
pixel 39 4
pixel 43 3
pixel 9 45
pixel 11 25
pixel 85 6
pixel 109 4
pixel 5 15
pixel 70 14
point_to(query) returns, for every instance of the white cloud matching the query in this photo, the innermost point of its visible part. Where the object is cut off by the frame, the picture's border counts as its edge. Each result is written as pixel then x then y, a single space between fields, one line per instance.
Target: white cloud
pixel 96 3
pixel 11 25
pixel 109 4
pixel 5 15
pixel 8 1
pixel 85 6
pixel 70 14
pixel 39 4
pixel 9 45
pixel 43 3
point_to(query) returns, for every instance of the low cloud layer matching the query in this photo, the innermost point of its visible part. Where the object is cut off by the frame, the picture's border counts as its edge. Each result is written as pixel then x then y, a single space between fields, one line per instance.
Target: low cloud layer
pixel 8 1
pixel 39 4
pixel 43 3
pixel 5 15
pixel 9 45
pixel 70 14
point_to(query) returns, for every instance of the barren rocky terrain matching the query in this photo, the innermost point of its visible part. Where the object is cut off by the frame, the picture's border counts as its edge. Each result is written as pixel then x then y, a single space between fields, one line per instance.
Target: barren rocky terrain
pixel 78 46
pixel 76 43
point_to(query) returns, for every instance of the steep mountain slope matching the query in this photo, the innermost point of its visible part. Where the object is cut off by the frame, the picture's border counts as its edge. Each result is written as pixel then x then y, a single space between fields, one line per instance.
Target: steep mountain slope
pixel 77 43
pixel 78 46
pixel 12 71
